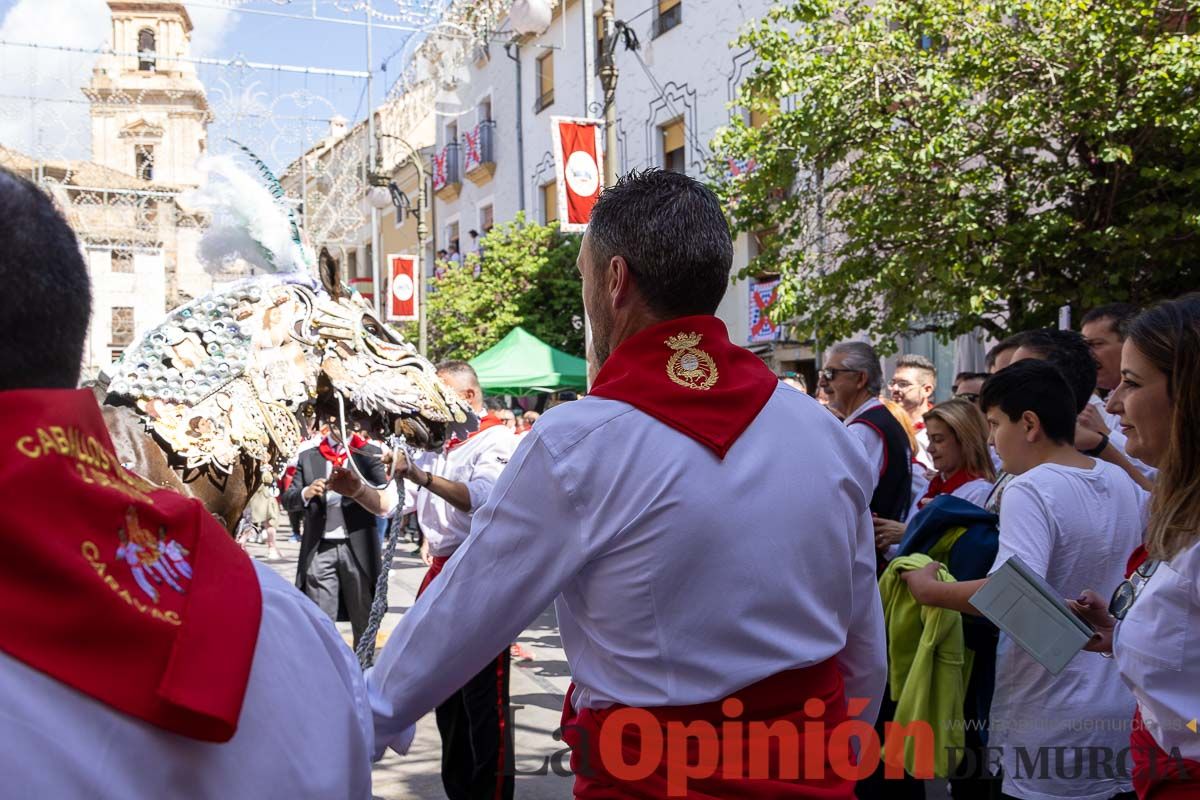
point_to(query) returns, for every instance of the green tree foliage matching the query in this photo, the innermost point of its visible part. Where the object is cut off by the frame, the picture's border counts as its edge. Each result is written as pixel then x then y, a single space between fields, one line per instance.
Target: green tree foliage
pixel 527 277
pixel 954 163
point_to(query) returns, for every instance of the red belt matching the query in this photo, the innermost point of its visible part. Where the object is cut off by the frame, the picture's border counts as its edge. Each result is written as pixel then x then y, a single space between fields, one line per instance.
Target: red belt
pixel 1155 773
pixel 435 569
pixel 779 698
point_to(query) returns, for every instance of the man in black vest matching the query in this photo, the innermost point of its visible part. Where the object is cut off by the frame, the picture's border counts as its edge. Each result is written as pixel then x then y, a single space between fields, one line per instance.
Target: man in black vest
pixel 853 378
pixel 339 554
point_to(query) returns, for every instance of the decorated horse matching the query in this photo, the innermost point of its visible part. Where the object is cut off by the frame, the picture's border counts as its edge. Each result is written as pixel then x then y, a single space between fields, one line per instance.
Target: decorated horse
pixel 215 399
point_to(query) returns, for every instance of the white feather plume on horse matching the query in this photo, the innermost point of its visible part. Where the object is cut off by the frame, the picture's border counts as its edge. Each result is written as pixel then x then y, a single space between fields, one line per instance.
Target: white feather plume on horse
pixel 249 220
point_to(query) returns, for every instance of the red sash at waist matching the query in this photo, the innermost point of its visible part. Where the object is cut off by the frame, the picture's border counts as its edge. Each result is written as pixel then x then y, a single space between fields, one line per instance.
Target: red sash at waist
pixel 435 569
pixel 1155 773
pixel 611 761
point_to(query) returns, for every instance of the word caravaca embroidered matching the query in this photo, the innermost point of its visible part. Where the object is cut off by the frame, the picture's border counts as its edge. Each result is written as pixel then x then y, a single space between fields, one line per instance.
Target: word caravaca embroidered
pixel 129 593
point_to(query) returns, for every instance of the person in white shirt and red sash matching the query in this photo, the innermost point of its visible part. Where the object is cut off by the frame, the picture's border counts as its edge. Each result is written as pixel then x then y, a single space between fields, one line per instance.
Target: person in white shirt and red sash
pixel 621 506
pixel 142 653
pixel 444 490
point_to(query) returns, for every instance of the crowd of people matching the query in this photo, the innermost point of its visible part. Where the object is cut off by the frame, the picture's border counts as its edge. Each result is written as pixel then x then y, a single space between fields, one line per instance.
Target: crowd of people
pixel 864 522
pixel 1082 443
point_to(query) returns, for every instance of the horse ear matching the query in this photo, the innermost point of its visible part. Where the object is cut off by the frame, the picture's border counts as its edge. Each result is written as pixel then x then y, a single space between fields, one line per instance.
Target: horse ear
pixel 331 274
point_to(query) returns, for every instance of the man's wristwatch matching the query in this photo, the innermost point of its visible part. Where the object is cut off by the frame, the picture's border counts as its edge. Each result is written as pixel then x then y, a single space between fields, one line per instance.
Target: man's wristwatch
pixel 1098 449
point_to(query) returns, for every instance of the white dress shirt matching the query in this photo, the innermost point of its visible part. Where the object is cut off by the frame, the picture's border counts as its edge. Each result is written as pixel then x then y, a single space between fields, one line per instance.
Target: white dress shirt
pixel 477 462
pixel 1157 648
pixel 335 519
pixel 922 456
pixel 679 577
pixel 869 439
pixel 304 731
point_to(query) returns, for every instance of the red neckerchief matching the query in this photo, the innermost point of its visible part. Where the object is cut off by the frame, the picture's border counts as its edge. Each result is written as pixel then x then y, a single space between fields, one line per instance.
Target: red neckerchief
pixel 1135 560
pixel 338 457
pixel 688 375
pixel 489 420
pixel 127 592
pixel 945 486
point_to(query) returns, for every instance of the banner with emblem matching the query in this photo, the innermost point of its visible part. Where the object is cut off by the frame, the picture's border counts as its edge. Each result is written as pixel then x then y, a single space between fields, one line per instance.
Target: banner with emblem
pixel 762 295
pixel 403 304
pixel 578 167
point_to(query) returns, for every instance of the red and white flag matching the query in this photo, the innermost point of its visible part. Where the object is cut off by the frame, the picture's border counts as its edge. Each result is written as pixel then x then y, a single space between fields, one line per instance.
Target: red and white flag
pixel 579 167
pixel 402 288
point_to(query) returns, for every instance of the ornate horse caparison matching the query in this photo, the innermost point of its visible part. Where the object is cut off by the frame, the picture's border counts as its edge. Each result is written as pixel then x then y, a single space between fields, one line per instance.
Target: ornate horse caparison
pixel 218 396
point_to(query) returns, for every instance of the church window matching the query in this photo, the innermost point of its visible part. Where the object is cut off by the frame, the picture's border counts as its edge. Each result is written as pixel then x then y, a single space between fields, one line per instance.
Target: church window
pixel 146 50
pixel 122 261
pixel 144 160
pixel 122 325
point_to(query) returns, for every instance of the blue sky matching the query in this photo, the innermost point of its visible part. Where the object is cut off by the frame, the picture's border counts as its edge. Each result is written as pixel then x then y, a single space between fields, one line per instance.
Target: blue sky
pixel 50 81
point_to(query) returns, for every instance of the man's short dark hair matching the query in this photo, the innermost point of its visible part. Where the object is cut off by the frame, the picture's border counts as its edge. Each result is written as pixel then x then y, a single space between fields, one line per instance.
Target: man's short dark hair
pixel 1003 346
pixel 1037 386
pixel 1119 316
pixel 672 233
pixel 45 295
pixel 969 376
pixel 1068 351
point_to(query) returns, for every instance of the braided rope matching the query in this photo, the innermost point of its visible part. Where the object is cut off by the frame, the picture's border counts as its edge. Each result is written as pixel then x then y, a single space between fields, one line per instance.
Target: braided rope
pixel 379 606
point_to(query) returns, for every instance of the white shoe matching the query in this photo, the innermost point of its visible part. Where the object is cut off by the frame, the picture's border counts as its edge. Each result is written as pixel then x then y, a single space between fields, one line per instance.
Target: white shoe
pixel 274 555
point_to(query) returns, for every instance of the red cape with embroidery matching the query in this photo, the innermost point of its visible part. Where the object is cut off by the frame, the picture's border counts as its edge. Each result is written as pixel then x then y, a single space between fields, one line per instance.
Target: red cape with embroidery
pixel 132 594
pixel 687 374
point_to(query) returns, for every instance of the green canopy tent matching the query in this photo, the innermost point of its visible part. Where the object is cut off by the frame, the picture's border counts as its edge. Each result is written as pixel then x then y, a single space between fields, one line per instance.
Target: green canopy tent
pixel 521 363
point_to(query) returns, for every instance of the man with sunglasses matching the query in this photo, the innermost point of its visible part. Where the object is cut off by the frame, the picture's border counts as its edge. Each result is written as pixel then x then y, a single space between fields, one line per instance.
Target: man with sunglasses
pixel 853 379
pixel 968 385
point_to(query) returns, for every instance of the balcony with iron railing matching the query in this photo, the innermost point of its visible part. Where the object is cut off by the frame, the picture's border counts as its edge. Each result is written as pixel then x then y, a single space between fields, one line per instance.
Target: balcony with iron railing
pixel 479 161
pixel 447 179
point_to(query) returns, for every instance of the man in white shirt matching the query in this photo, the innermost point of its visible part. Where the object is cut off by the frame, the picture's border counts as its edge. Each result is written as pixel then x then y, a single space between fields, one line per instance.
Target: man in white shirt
pixel 912 386
pixel 1073 520
pixel 621 505
pixel 222 681
pixel 445 490
pixel 1104 329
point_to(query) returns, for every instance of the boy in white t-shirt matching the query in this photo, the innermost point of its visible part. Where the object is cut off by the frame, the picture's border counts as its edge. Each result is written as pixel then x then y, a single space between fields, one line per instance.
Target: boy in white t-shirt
pixel 1070 518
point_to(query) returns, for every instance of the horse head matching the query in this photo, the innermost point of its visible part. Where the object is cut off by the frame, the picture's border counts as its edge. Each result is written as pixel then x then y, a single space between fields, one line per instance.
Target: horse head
pixel 247 369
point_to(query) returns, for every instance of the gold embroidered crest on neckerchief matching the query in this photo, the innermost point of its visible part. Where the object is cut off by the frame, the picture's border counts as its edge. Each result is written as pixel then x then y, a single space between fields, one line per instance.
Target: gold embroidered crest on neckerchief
pixel 689 365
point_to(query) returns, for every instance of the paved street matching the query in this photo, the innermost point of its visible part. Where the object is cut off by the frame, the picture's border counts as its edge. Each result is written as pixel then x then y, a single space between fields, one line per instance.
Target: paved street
pixel 537 690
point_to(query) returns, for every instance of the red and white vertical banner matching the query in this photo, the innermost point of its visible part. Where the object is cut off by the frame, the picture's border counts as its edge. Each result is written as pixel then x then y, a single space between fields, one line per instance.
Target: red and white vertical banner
pixel 579 167
pixel 403 302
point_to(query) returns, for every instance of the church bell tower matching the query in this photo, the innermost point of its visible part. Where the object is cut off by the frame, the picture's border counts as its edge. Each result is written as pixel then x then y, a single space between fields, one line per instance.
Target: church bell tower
pixel 148 107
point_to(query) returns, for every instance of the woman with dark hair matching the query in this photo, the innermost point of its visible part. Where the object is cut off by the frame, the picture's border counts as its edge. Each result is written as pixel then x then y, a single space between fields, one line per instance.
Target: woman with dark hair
pixel 1150 626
